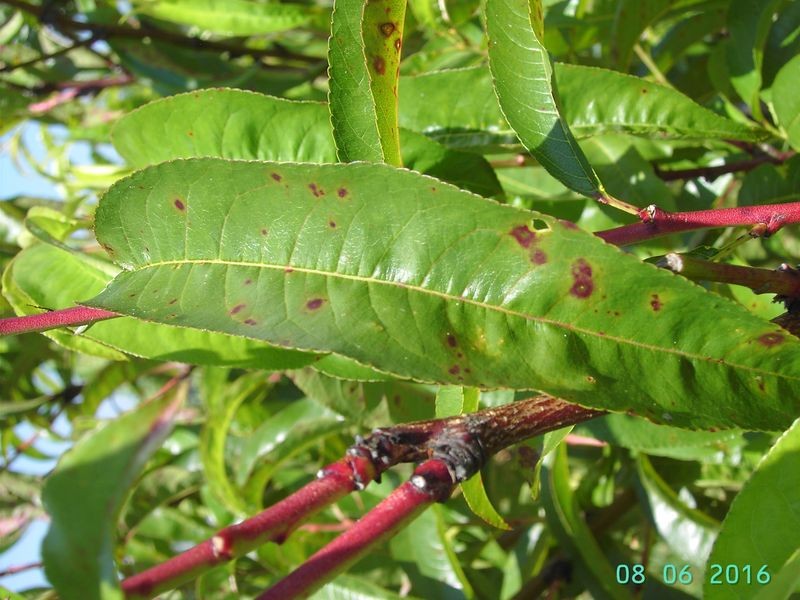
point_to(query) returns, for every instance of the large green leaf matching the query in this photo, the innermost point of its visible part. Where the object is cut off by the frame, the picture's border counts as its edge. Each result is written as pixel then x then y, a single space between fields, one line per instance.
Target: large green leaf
pixel 85 495
pixel 762 527
pixel 472 118
pixel 233 17
pixel 227 124
pixel 364 58
pixel 77 279
pixel 242 124
pixel 418 278
pixel 523 80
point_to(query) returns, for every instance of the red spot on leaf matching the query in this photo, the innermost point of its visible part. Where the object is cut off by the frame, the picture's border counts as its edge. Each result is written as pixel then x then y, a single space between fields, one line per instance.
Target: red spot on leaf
pixel 317 191
pixel 173 301
pixel 398 43
pixel 451 340
pixel 275 176
pixel 582 283
pixel 288 270
pixel 387 29
pixel 454 370
pixel 314 303
pixel 237 309
pixel 655 302
pixel 379 65
pixel 332 224
pixel 523 235
pixel 771 339
pixel 538 257
pixel 179 204
pixel 341 192
pixel 250 322
pixel 248 281
pixel 264 231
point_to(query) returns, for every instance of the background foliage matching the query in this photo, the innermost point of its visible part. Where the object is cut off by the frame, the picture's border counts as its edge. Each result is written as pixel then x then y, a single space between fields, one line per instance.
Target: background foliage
pixel 643 99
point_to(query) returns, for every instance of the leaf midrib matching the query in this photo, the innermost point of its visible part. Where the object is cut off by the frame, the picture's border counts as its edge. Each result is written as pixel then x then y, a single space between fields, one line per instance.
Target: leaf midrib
pixel 476 303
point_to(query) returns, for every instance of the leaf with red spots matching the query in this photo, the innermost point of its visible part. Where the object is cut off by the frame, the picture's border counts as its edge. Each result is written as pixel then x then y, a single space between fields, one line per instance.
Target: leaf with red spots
pixel 364 66
pixel 79 276
pixel 408 272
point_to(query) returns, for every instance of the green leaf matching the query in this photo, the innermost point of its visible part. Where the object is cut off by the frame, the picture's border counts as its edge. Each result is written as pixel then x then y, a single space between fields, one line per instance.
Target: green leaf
pixel 76 279
pixel 762 526
pixel 295 427
pixel 641 435
pixel 348 587
pixel 425 544
pixel 631 105
pixel 232 17
pixel 226 124
pixel 364 58
pixel 524 83
pixel 246 125
pixel 456 400
pixel 688 532
pixel 561 311
pixel 636 106
pixel 749 23
pixel 221 400
pixel 85 494
pixel 566 522
pixel 631 19
pixel 787 102
pixel 784 583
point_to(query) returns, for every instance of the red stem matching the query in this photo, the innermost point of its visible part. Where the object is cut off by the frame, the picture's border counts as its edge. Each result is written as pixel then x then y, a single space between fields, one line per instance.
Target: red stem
pixel 271 525
pixel 657 223
pixel 430 483
pixel 67 317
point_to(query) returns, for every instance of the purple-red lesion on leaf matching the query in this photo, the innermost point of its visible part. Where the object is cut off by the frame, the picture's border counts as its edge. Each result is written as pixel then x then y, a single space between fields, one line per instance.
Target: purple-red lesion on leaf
pixel 341 192
pixel 314 303
pixel 250 322
pixel 523 235
pixel 655 302
pixel 275 176
pixel 538 257
pixel 237 308
pixel 179 204
pixel 451 340
pixel 264 231
pixel 454 370
pixel 398 43
pixel 387 29
pixel 173 301
pixel 316 190
pixel 582 283
pixel 332 224
pixel 771 339
pixel 248 281
pixel 379 65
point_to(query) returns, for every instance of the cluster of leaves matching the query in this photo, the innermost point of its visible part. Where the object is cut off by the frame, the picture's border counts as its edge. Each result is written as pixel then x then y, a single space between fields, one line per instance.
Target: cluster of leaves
pixel 289 301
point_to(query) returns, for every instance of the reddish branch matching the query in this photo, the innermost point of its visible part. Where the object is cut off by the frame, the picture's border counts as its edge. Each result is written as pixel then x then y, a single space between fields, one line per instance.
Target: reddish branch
pixel 658 223
pixel 66 317
pixel 453 450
